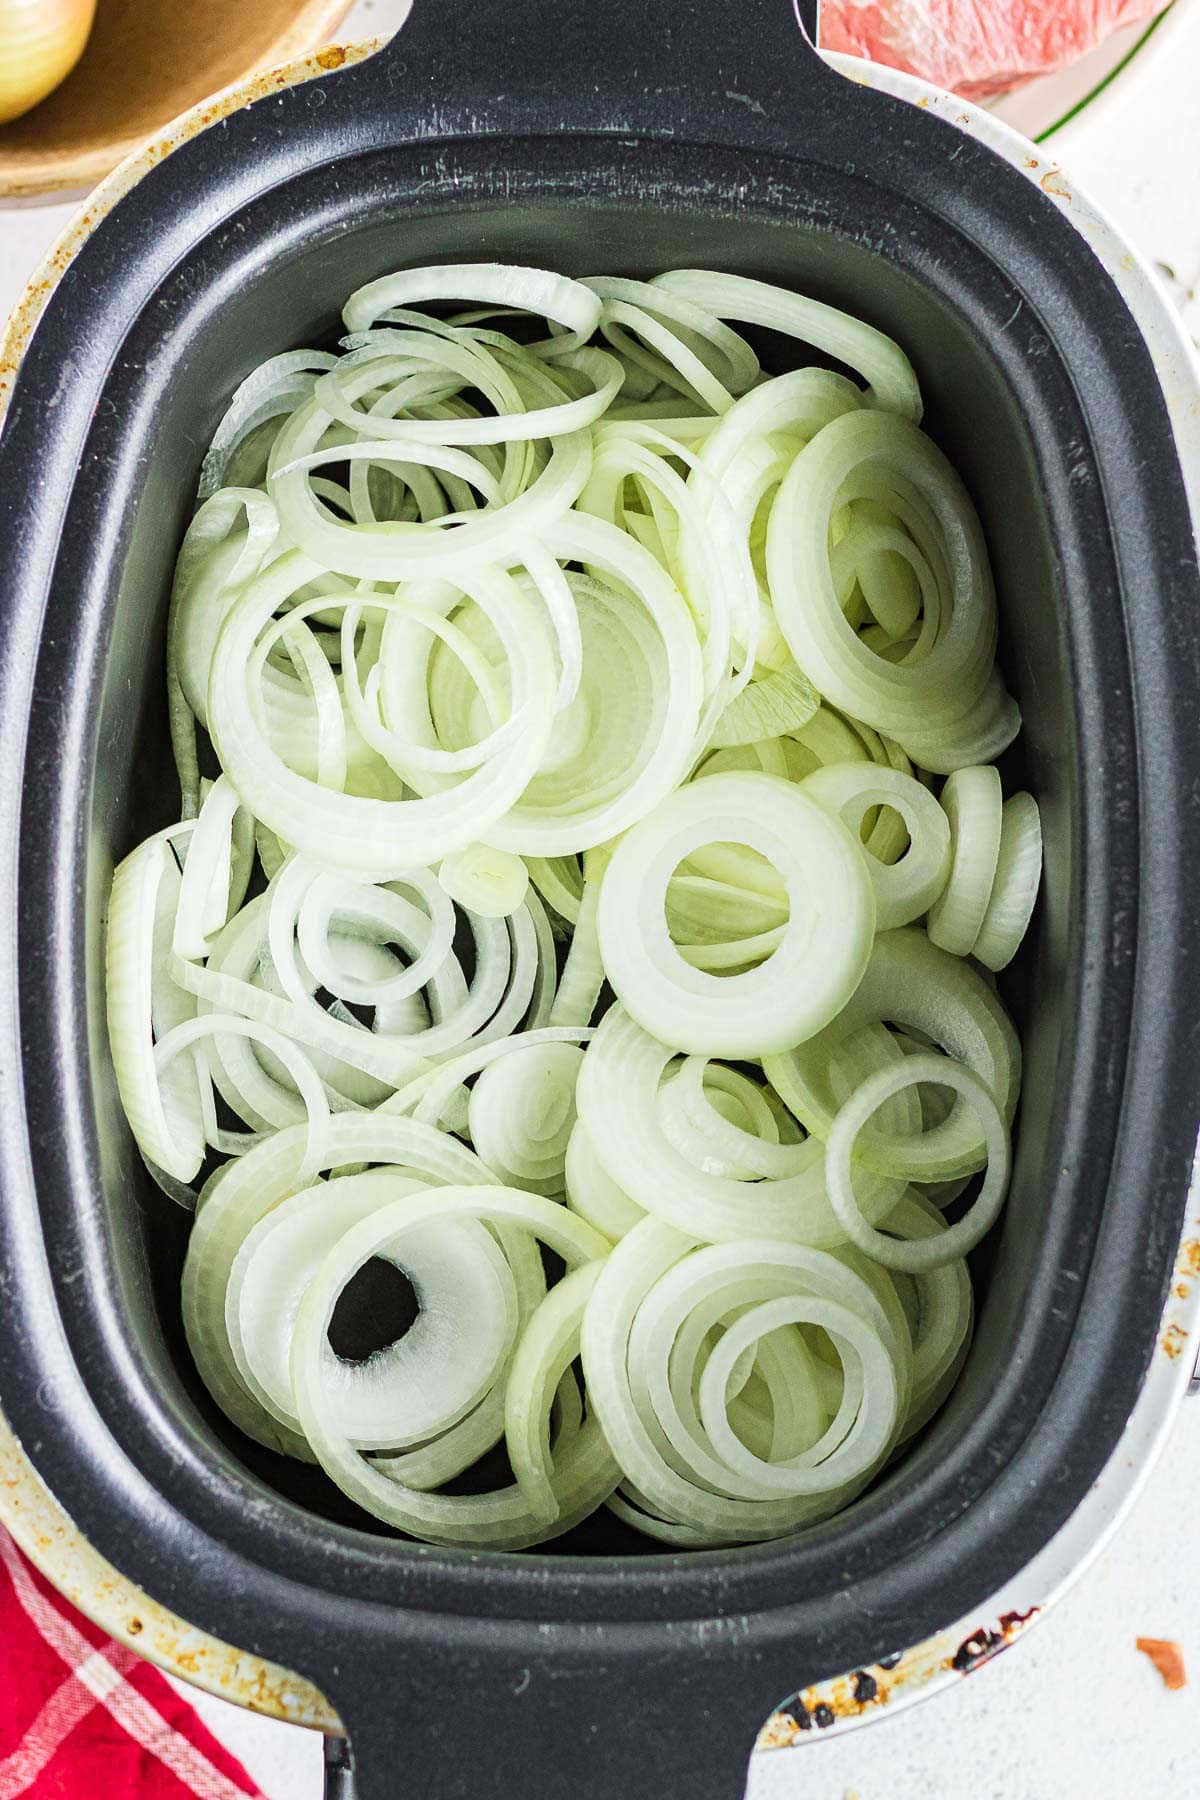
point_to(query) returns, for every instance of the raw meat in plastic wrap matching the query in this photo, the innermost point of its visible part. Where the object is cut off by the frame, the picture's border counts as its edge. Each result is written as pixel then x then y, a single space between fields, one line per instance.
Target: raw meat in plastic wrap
pixel 976 47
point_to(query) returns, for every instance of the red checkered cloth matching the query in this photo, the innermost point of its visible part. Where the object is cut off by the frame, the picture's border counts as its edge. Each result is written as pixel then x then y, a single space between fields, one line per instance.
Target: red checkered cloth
pixel 81 1714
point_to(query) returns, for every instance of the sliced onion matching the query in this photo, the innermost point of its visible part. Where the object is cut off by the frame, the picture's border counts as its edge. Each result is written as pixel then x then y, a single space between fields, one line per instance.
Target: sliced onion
pixel 838 334
pixel 349 831
pixel 567 303
pixel 535 672
pixel 559 880
pixel 592 1192
pixel 942 1308
pixel 972 801
pixel 426 1381
pixel 487 881
pixel 905 889
pixel 582 1477
pixel 778 702
pixel 247 1190
pixel 620 766
pixel 928 1252
pixel 272 391
pixel 583 971
pixel 687 346
pixel 911 983
pixel 938 688
pixel 644 1335
pixel 1014 892
pixel 216 871
pixel 806 979
pixel 541 1365
pixel 432 1095
pixel 617 1098
pixel 522 1112
pixel 182 1037
pixel 162 1106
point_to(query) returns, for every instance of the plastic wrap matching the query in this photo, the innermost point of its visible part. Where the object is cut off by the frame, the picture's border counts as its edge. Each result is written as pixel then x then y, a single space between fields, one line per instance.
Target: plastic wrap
pixel 976 47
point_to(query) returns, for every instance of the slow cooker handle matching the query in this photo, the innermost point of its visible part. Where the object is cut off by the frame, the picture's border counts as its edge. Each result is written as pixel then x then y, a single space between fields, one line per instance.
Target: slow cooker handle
pixel 729 73
pixel 474 1715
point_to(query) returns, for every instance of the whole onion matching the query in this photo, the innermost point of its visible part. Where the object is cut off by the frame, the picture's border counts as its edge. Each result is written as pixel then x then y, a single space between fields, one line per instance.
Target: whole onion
pixel 40 43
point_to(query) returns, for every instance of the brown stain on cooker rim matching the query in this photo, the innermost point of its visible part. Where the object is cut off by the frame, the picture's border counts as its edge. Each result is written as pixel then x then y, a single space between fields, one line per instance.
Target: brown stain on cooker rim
pixel 980 1646
pixel 47 1536
pixel 893 1678
pixel 1052 183
pixel 1187 1272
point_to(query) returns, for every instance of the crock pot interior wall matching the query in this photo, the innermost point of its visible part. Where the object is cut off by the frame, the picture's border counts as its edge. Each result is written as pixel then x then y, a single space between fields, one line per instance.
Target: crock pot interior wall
pixel 204 338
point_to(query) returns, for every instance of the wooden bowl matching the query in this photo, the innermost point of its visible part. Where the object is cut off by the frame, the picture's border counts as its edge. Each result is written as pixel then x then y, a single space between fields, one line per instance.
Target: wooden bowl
pixel 145 62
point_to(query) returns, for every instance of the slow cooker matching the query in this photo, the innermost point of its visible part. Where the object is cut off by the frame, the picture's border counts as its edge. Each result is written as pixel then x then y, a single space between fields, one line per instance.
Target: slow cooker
pixel 634 138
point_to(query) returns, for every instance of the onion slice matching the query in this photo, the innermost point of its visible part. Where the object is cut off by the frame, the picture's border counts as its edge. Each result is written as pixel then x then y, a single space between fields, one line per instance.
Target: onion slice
pixel 808 976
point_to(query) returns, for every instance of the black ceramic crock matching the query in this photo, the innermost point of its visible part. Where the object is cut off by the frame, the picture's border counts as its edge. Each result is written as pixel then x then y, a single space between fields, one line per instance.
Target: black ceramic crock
pixel 629 137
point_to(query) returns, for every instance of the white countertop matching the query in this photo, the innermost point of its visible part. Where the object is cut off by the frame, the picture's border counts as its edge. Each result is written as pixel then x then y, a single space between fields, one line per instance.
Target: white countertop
pixel 1074 1710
